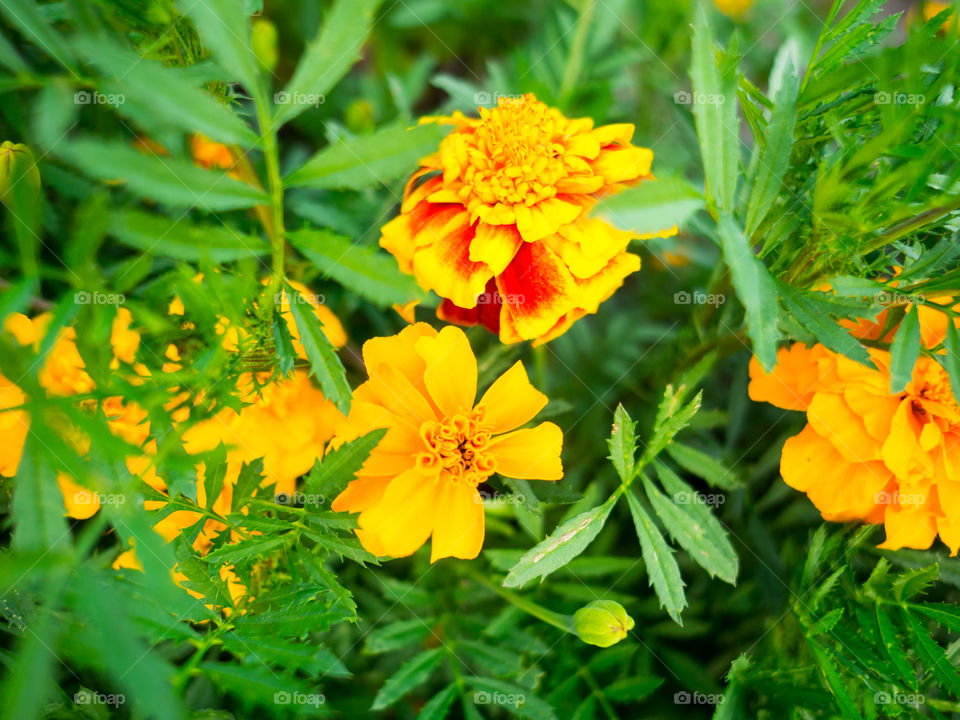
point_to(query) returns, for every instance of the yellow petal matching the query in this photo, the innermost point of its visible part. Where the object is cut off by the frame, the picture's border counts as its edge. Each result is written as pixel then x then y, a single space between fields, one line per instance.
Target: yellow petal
pixel 909 528
pixel 459 525
pixel 360 494
pixel 451 372
pixel 403 519
pixel 511 400
pixel 79 502
pixel 529 454
pixel 495 245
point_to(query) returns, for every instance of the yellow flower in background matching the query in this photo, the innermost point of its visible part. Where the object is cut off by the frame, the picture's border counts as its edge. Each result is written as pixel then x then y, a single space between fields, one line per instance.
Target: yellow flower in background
pixel 866 454
pixel 496 221
pixel 735 9
pixel 210 154
pixel 441 443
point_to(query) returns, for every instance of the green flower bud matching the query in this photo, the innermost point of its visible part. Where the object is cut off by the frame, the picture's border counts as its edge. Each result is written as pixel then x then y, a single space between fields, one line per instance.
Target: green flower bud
pixel 602 623
pixel 264 42
pixel 17 166
pixel 359 116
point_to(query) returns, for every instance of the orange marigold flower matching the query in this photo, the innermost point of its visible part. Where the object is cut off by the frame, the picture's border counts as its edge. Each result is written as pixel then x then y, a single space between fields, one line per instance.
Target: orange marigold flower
pixel 496 222
pixel 422 477
pixel 866 454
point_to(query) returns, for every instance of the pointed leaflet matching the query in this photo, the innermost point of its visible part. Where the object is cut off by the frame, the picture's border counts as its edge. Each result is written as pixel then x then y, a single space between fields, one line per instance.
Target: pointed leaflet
pixel 329 56
pixel 565 543
pixel 182 239
pixel 412 673
pixel 623 444
pixel 359 268
pixel 904 350
pixel 339 466
pixel 952 359
pixel 324 363
pixel 658 557
pixel 224 28
pixel 651 206
pixel 756 289
pixel 358 162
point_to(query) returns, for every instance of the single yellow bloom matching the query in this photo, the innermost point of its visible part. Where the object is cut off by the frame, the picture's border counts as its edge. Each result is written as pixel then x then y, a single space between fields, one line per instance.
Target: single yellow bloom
pixel 421 480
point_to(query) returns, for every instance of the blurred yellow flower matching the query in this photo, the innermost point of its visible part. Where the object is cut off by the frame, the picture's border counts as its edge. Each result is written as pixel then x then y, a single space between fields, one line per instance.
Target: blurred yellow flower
pixel 421 480
pixel 866 454
pixel 496 222
pixel 735 9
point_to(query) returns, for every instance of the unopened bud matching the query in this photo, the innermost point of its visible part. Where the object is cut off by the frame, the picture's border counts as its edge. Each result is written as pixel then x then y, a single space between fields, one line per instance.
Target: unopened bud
pixel 602 623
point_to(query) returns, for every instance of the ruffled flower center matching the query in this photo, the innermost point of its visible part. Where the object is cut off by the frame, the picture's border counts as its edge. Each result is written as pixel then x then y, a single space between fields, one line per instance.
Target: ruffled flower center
pixel 933 396
pixel 513 156
pixel 456 447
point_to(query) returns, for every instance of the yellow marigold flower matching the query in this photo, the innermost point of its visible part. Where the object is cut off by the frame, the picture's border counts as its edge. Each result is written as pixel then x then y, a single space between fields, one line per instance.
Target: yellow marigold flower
pixel 14 425
pixel 210 154
pixel 866 454
pixel 496 222
pixel 735 9
pixel 422 477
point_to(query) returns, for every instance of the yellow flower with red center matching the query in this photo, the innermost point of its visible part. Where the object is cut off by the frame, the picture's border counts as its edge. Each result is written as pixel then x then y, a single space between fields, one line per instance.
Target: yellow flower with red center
pixel 866 454
pixel 421 479
pixel 496 221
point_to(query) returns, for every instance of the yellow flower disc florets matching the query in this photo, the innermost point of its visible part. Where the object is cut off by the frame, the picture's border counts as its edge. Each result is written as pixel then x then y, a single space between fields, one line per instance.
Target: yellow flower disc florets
pixel 456 445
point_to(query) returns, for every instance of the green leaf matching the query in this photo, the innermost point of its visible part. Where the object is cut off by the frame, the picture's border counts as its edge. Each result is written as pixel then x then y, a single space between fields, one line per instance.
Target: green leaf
pixel 366 160
pixel 397 635
pixel 164 95
pixel 324 363
pixel 691 523
pixel 823 328
pixel 952 358
pixel 892 645
pixel 362 269
pixel 671 419
pixel 623 443
pixel 27 15
pixel 775 157
pixel 904 351
pixel 439 705
pixel 176 183
pixel 651 206
pixel 715 114
pixel 704 466
pixel 934 659
pixel 847 707
pixel 658 557
pixel 37 505
pixel 756 289
pixel 414 672
pixel 563 544
pixel 259 685
pixel 339 466
pixel 182 239
pixel 225 31
pixel 328 57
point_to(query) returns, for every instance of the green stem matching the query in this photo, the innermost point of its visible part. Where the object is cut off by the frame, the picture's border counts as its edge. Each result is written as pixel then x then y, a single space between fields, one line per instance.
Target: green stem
pixel 275 189
pixel 558 620
pixel 575 61
pixel 598 692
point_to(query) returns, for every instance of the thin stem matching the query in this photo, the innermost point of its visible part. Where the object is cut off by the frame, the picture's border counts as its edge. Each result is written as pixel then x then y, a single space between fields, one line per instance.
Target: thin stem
pixel 275 189
pixel 575 60
pixel 563 622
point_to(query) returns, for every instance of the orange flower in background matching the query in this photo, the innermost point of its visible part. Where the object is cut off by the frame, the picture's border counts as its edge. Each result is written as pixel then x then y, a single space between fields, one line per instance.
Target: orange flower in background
pixel 421 479
pixel 496 222
pixel 866 454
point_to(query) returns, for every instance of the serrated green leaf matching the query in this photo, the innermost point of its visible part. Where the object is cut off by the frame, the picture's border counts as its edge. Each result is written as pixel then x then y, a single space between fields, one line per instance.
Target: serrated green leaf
pixel 895 652
pixel 623 443
pixel 397 635
pixel 324 363
pixel 367 160
pixel 439 705
pixel 514 699
pixel 904 351
pixel 414 672
pixel 359 268
pixel 952 359
pixel 704 466
pixel 651 206
pixel 225 31
pixel 563 544
pixel 658 558
pixel 182 239
pixel 339 466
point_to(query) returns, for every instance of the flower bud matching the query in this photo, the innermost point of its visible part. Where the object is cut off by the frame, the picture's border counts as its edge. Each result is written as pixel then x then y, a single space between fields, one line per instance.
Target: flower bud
pixel 264 42
pixel 17 165
pixel 602 623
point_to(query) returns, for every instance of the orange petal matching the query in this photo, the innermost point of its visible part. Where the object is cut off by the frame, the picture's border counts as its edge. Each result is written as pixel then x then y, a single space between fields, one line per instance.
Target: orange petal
pixel 909 528
pixel 511 400
pixel 537 289
pixel 793 381
pixel 444 266
pixel 459 524
pixel 529 454
pixel 403 519
pixel 361 494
